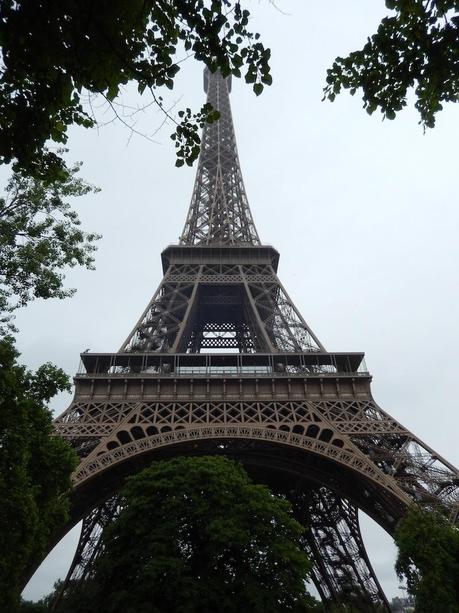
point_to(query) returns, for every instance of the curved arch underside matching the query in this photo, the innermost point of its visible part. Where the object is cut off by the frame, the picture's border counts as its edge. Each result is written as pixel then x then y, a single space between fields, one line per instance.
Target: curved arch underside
pixel 344 451
pixel 262 450
pixel 344 426
pixel 315 440
pixel 333 541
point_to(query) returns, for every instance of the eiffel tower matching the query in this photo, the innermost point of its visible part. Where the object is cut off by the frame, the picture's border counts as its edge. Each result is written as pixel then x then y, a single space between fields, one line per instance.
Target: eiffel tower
pixel 222 362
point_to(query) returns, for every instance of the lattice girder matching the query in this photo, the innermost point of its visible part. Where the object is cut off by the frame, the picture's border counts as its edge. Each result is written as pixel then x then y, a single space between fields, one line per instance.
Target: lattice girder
pixel 335 421
pixel 219 211
pixel 343 423
pixel 89 546
pixel 263 313
pixel 342 571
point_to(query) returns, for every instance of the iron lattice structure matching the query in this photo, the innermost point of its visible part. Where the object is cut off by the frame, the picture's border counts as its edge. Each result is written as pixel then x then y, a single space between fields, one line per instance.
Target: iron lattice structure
pixel 221 361
pixel 219 211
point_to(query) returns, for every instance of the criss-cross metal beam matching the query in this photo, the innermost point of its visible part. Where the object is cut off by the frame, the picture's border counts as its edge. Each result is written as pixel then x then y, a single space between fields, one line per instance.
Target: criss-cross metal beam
pixel 89 546
pixel 219 212
pixel 342 572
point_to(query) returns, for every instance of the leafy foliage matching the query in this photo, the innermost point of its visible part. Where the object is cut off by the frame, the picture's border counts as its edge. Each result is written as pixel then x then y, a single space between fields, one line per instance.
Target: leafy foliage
pixel 35 469
pixel 416 47
pixel 39 235
pixel 186 137
pixel 428 559
pixel 196 535
pixel 54 53
pixel 27 606
pixel 44 604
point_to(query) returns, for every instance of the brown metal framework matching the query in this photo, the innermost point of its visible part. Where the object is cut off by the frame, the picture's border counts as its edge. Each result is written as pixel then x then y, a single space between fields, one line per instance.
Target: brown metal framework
pixel 219 211
pixel 221 361
pixel 342 571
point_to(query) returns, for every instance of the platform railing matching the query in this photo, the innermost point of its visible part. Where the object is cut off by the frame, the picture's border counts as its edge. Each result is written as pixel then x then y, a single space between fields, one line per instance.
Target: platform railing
pixel 218 365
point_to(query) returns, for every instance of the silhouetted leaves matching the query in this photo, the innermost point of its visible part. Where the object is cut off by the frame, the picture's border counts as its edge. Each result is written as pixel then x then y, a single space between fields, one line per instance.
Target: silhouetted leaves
pixel 35 469
pixel 417 47
pixel 197 535
pixel 428 559
pixel 39 236
pixel 55 53
pixel 186 135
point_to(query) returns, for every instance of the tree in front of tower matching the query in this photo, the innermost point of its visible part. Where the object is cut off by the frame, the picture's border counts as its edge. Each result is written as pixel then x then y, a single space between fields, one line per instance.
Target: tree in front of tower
pixel 428 560
pixel 413 55
pixel 196 535
pixel 35 469
pixel 56 56
pixel 40 239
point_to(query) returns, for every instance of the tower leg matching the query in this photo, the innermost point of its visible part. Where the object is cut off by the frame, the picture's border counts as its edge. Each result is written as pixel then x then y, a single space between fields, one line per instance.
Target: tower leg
pixel 89 545
pixel 342 572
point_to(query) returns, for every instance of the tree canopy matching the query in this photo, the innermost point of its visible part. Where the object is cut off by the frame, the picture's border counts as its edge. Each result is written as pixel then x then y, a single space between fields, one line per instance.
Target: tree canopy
pixel 417 46
pixel 35 469
pixel 56 53
pixel 428 559
pixel 196 535
pixel 40 235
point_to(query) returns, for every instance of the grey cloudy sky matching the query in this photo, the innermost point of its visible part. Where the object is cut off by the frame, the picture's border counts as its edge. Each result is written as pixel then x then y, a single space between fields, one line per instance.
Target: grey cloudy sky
pixel 363 212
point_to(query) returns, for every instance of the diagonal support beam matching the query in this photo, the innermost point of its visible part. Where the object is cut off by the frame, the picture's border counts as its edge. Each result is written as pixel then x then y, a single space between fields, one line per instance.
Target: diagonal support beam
pixel 342 570
pixel 219 212
pixel 89 546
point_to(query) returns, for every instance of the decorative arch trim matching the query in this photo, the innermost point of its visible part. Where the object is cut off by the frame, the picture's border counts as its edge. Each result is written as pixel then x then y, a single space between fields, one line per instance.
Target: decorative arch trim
pixel 352 459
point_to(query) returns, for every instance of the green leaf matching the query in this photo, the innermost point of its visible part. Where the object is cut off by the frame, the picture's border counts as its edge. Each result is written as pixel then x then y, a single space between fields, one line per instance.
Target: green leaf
pixel 258 88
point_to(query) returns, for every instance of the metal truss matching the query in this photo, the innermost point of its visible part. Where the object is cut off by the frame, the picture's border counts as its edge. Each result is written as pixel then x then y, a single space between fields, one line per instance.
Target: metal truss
pixel 387 462
pixel 219 211
pixel 89 545
pixel 342 572
pixel 354 433
pixel 236 307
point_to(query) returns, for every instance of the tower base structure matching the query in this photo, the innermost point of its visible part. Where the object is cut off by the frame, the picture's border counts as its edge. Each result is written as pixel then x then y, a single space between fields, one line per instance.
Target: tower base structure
pixel 303 423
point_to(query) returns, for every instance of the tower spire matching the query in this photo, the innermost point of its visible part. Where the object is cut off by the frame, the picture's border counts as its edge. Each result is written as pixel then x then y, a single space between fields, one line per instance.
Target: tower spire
pixel 219 211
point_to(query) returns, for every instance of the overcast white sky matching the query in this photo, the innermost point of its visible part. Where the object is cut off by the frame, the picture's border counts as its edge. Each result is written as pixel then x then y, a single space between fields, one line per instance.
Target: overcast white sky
pixel 363 212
